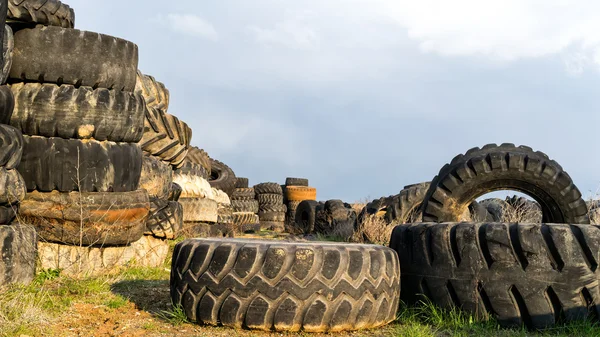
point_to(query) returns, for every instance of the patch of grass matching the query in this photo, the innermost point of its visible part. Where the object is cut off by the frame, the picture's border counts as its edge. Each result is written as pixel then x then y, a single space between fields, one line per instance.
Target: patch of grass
pixel 116 302
pixel 175 316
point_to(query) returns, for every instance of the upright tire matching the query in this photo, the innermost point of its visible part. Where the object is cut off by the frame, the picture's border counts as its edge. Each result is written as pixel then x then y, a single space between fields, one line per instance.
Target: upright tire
pixel 306 215
pixel 71 56
pixel 222 177
pixel 492 168
pixel 282 286
pixel 535 275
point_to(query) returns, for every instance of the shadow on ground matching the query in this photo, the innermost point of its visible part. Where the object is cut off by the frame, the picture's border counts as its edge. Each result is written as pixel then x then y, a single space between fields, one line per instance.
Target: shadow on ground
pixel 148 295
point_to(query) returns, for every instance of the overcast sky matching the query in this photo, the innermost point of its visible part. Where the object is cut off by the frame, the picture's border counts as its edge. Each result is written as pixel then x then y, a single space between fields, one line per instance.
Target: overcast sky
pixel 365 96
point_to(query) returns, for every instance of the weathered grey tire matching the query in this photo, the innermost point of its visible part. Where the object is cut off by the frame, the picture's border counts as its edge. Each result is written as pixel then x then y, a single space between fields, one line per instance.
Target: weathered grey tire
pixel 165 219
pixel 8 45
pixel 222 177
pixel 269 199
pixel 165 136
pixel 522 274
pixel 496 209
pixel 284 286
pixel 89 219
pixel 12 187
pixel 11 147
pixel 268 188
pixel 18 245
pixel 43 12
pixel 71 56
pixel 156 177
pixel 280 208
pixel 80 165
pixel 271 216
pixel 225 215
pixel 241 182
pixel 207 230
pixel 245 206
pixel 243 194
pixel 296 182
pixel 493 167
pixel 175 192
pixel 199 156
pixel 66 111
pixel 199 210
pixel 245 218
pixel 154 92
pixel 306 215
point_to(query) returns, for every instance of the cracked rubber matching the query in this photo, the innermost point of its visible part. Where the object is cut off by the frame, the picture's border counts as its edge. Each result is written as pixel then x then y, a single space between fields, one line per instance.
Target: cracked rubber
pixel 11 147
pixel 49 54
pixel 44 12
pixel 18 252
pixel 284 286
pixel 536 275
pixel 8 45
pixel 503 167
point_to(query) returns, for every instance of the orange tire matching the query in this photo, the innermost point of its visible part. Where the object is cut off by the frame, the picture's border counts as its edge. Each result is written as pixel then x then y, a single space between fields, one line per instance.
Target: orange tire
pixel 300 193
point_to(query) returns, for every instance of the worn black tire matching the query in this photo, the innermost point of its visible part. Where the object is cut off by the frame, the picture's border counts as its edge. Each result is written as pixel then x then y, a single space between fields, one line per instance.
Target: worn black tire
pixel 192 169
pixel 175 192
pixel 8 45
pixel 89 219
pixel 11 147
pixel 336 219
pixel 199 156
pixel 66 111
pixel 296 182
pixel 222 177
pixel 241 182
pixel 80 165
pixel 43 12
pixel 154 92
pixel 245 206
pixel 165 136
pixel 306 214
pixel 277 208
pixel 156 177
pixel 243 194
pixel 71 56
pixel 165 219
pixel 269 199
pixel 271 216
pixel 245 218
pixel 18 247
pixel 199 210
pixel 285 286
pixel 492 168
pixel 532 274
pixel 268 188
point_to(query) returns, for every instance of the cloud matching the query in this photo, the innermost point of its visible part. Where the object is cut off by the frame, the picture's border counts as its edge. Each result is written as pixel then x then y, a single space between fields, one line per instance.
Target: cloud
pixel 294 33
pixel 192 25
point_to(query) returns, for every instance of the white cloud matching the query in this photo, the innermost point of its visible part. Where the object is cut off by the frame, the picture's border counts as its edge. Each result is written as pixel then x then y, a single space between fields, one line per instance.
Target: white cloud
pixel 192 25
pixel 294 33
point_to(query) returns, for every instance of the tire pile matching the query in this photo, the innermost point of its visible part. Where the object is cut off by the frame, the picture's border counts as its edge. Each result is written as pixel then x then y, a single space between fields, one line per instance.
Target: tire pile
pixel 296 190
pixel 245 207
pixel 272 210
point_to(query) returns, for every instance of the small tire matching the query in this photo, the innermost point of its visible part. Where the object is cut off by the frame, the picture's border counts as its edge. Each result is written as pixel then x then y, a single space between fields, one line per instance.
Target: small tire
pixel 70 56
pixel 109 218
pixel 263 285
pixel 243 194
pixel 156 177
pixel 222 177
pixel 268 188
pixel 303 182
pixel 43 12
pixel 165 136
pixel 70 165
pixel 250 206
pixel 199 210
pixel 295 193
pixel 269 199
pixel 165 220
pixel 494 167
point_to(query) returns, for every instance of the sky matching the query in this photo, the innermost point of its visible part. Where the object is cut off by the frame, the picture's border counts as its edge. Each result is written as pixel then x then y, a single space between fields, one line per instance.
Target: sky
pixel 364 97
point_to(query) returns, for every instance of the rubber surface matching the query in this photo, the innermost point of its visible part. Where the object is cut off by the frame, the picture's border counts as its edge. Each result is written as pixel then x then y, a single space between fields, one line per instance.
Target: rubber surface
pixel 18 249
pixel 241 182
pixel 296 182
pixel 296 193
pixel 503 167
pixel 222 177
pixel 245 206
pixel 268 188
pixel 165 219
pixel 268 285
pixel 243 194
pixel 269 199
pixel 306 215
pixel 154 92
pixel 156 177
pixel 8 45
pixel 44 12
pixel 199 210
pixel 165 136
pixel 11 147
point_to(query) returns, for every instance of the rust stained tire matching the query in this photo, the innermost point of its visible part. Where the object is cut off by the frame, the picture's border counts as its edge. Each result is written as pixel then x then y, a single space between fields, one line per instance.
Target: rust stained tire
pixel 243 194
pixel 536 275
pixel 154 92
pixel 268 188
pixel 199 210
pixel 18 244
pixel 11 147
pixel 44 12
pixel 109 218
pixel 156 177
pixel 70 165
pixel 297 193
pixel 222 177
pixel 165 220
pixel 494 167
pixel 306 215
pixel 70 56
pixel 50 110
pixel 165 136
pixel 283 286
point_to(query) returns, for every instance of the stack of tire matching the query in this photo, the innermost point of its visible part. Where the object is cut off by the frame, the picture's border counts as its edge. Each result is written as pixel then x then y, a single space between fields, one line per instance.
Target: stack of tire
pixel 245 207
pixel 295 191
pixel 272 210
pixel 165 219
pixel 532 274
pixel 81 120
pixel 224 212
pixel 18 242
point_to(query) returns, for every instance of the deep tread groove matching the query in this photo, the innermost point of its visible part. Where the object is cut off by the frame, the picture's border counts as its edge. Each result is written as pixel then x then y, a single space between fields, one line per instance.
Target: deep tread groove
pixel 553 254
pixel 454 246
pixel 429 245
pixel 590 304
pixel 485 300
pixel 519 303
pixel 587 252
pixel 483 246
pixel 554 302
pixel 453 296
pixel 516 246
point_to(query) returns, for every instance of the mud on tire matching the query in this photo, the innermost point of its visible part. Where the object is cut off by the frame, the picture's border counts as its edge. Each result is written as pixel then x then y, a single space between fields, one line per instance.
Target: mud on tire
pixel 265 285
